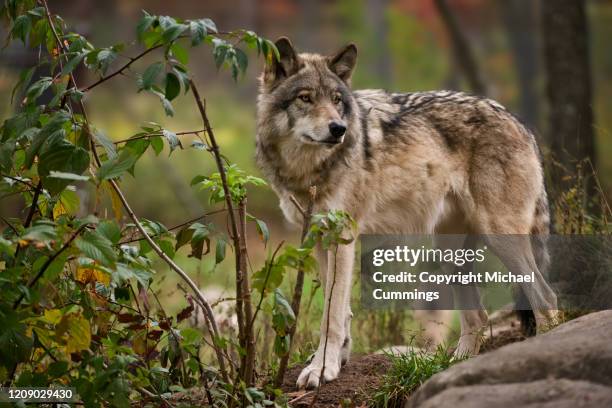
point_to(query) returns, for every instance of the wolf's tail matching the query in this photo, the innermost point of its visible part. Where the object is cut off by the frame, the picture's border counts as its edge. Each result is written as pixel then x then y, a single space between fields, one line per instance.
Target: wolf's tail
pixel 539 239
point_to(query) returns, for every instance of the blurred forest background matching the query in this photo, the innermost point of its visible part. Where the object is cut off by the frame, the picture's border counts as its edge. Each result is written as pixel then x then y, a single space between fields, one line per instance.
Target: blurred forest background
pixel 519 52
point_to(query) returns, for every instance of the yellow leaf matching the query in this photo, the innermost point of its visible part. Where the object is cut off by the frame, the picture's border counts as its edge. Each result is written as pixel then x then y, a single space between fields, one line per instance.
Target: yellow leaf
pixel 68 203
pixel 76 331
pixel 52 316
pixel 115 200
pixel 87 275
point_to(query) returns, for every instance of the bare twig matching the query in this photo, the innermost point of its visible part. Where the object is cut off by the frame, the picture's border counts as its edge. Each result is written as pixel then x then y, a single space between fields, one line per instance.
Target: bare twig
pixel 120 70
pixel 233 224
pixel 265 282
pixel 297 205
pixel 183 224
pixel 34 205
pixel 156 134
pixel 249 338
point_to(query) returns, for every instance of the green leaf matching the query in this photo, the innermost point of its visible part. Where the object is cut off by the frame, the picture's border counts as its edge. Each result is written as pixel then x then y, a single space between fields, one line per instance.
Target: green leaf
pixel 283 316
pixel 180 53
pixel 220 48
pixel 199 237
pixel 64 157
pixel 197 31
pixel 173 86
pixel 220 251
pixel 173 32
pixel 149 77
pixel 72 64
pixel 157 144
pixel 144 24
pixel 262 229
pixel 109 146
pixel 24 80
pixel 242 60
pixel 110 230
pixel 40 231
pixel 54 125
pixel 97 247
pixel 106 58
pixel 37 89
pixel 209 24
pixel 21 28
pixel 116 166
pixel 14 342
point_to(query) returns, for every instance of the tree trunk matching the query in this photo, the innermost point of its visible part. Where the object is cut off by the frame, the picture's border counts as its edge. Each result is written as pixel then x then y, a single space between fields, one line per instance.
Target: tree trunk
pixel 377 19
pixel 463 53
pixel 519 17
pixel 568 87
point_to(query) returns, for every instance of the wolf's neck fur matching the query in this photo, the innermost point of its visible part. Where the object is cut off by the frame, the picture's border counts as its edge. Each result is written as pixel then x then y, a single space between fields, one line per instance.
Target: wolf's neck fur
pixel 293 167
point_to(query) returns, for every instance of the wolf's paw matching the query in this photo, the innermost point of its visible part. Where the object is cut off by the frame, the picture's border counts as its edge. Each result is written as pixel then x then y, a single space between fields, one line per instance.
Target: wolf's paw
pixel 310 376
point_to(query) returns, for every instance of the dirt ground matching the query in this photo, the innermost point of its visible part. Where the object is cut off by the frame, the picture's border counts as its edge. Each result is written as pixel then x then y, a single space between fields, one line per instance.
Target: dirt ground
pixel 363 373
pixel 359 376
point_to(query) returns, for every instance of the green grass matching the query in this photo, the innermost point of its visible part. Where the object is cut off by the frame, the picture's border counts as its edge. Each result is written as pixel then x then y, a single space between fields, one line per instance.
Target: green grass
pixel 408 371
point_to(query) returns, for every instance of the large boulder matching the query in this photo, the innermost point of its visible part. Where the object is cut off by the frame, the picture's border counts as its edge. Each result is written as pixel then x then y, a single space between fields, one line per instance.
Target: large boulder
pixel 569 366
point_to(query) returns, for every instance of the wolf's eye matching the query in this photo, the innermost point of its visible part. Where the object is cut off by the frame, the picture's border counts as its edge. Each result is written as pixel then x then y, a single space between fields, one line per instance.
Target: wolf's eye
pixel 336 99
pixel 305 98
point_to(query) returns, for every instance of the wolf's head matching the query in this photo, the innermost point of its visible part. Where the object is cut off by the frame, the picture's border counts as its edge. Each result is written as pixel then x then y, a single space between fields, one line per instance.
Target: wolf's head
pixel 305 99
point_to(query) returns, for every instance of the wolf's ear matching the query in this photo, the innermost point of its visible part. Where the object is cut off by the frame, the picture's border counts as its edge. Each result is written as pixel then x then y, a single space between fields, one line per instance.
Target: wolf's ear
pixel 286 65
pixel 343 62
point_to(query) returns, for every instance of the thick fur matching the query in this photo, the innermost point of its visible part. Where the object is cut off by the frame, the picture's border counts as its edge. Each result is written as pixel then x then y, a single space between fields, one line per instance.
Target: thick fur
pixel 421 162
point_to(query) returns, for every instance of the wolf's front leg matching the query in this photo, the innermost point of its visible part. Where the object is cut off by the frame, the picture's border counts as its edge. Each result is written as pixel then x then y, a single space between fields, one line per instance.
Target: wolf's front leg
pixel 328 357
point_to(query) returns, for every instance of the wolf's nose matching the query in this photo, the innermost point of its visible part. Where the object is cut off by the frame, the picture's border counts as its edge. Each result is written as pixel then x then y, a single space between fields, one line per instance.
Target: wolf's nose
pixel 337 129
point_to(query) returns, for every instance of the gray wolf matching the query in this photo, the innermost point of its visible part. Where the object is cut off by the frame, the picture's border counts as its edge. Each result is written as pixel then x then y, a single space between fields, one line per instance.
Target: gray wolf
pixel 439 162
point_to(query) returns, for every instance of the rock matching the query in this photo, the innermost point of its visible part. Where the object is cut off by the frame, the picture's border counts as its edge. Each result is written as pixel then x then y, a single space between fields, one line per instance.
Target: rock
pixel 570 365
pixel 557 393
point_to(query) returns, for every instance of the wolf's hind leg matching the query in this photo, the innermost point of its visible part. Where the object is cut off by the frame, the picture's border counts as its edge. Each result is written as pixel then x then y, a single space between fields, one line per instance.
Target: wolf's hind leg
pixel 516 253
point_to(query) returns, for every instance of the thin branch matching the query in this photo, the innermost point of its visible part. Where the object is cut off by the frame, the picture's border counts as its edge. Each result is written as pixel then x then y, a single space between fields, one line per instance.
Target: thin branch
pixel 233 224
pixel 265 282
pixel 120 70
pixel 34 205
pixel 219 161
pixel 191 221
pixel 7 222
pixel 155 134
pixel 299 285
pixel 249 366
pixel 19 180
pixel 297 205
